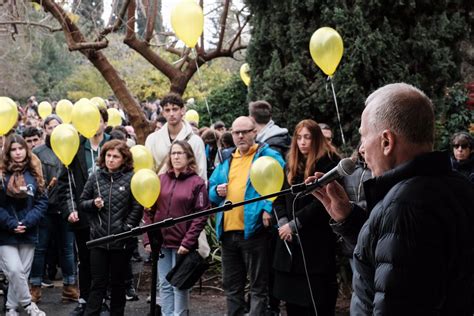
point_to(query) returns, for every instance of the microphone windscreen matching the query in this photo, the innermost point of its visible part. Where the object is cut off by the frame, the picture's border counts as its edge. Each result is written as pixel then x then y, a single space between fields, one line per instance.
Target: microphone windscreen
pixel 346 167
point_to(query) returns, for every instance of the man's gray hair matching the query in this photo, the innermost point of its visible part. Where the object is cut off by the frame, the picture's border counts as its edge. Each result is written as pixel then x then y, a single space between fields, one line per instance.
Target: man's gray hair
pixel 403 109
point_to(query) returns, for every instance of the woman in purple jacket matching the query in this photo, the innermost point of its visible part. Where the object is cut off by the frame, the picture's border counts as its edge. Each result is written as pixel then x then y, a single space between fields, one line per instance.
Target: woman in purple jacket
pixel 182 192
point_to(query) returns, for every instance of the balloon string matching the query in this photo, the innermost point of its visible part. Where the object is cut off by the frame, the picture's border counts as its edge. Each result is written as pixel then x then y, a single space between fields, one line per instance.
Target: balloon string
pixel 337 111
pixel 201 87
pixel 94 169
pixel 205 97
pixel 70 188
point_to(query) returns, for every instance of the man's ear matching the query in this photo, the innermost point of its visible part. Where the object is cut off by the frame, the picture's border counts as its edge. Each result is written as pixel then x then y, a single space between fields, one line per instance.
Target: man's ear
pixel 388 141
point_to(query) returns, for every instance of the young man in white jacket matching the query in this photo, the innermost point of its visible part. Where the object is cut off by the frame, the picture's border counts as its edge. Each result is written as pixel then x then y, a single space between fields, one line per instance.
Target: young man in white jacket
pixel 175 128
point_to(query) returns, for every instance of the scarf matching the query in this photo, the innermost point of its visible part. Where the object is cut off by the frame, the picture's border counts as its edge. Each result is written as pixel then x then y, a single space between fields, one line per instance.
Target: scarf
pixel 16 187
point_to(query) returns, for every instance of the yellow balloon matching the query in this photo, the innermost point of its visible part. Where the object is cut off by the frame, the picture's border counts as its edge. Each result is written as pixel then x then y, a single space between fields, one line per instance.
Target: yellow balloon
pixel 192 115
pixel 8 115
pixel 65 142
pixel 187 20
pixel 245 73
pixel 142 158
pixel 114 117
pixel 266 176
pixel 64 110
pixel 326 48
pixel 99 102
pixel 145 187
pixel 86 117
pixel 73 17
pixel 36 6
pixel 44 109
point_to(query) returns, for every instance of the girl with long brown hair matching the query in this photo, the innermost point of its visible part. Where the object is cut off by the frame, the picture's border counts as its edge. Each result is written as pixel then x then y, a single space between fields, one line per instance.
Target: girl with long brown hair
pixel 304 262
pixel 23 203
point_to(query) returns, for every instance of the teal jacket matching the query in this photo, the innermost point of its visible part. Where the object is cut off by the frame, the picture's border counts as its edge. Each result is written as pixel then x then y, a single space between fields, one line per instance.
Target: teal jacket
pixel 253 211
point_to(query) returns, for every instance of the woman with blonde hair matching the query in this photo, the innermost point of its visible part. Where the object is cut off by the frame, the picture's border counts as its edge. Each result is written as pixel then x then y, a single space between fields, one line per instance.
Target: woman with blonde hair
pixel 23 203
pixel 305 252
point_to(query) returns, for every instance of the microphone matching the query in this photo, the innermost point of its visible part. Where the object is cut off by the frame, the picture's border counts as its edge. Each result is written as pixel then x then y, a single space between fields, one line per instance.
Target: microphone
pixel 344 168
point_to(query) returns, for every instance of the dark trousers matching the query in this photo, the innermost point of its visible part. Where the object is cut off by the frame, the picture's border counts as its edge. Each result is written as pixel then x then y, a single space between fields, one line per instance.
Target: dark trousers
pixel 108 265
pixel 82 236
pixel 242 257
pixel 325 296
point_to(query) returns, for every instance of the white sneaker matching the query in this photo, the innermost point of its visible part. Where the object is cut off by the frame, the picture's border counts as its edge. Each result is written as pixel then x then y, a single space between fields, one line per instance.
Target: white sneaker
pixel 33 310
pixel 12 312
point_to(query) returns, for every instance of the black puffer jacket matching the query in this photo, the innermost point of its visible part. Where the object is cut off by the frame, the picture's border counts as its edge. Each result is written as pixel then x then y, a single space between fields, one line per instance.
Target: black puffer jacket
pixel 415 253
pixel 121 211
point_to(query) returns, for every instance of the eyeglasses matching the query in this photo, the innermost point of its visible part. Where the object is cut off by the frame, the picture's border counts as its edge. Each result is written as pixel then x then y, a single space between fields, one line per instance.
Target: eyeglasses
pixel 243 132
pixel 177 153
pixel 463 146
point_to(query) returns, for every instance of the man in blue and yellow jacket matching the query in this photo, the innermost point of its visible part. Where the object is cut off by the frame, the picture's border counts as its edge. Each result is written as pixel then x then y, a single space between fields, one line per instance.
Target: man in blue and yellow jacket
pixel 242 229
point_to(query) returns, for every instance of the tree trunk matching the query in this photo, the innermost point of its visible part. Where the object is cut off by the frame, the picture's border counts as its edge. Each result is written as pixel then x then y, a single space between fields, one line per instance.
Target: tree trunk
pixel 136 115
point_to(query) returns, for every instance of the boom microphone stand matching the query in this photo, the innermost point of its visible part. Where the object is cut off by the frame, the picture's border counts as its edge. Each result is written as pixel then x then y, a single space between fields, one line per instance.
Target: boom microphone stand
pixel 228 205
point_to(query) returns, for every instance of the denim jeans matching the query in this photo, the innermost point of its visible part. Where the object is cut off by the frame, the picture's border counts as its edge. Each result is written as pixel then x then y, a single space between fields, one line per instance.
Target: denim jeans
pixel 174 302
pixel 53 225
pixel 242 257
pixel 15 262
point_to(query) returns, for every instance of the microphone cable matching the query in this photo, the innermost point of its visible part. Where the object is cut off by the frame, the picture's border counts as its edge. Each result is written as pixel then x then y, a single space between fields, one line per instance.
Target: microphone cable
pixel 302 253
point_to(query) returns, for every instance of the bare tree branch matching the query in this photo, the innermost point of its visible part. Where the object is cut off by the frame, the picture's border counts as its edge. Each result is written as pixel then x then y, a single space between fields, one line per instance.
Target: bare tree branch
pixel 223 22
pixel 28 23
pixel 201 46
pixel 185 59
pixel 118 21
pixel 152 10
pixel 239 32
pixel 76 40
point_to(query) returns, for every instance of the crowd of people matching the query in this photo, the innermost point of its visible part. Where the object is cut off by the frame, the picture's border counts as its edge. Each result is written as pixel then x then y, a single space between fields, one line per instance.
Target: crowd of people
pixel 404 217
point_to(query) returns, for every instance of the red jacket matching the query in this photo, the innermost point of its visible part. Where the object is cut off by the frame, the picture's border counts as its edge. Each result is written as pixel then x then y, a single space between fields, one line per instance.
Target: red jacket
pixel 179 196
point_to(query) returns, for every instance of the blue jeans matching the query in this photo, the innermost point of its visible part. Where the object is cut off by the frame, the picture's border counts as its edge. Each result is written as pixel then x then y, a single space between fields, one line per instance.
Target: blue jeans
pixel 242 257
pixel 174 302
pixel 54 226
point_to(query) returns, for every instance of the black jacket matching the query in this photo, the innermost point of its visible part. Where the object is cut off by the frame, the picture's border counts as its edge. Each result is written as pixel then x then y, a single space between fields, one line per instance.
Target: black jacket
pixel 75 182
pixel 121 212
pixel 466 168
pixel 74 178
pixel 51 171
pixel 415 253
pixel 317 239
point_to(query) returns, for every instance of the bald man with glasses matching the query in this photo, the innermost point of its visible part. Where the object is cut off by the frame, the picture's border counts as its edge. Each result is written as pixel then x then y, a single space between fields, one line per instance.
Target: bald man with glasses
pixel 242 230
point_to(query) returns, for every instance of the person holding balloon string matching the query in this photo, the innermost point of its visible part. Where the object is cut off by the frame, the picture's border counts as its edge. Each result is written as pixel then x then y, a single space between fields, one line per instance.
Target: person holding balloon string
pixel 304 229
pixel 53 226
pixel 78 154
pixel 112 209
pixel 182 192
pixel 23 203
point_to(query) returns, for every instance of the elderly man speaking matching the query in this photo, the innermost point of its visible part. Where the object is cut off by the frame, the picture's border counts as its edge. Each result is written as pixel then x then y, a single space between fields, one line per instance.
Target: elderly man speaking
pixel 414 247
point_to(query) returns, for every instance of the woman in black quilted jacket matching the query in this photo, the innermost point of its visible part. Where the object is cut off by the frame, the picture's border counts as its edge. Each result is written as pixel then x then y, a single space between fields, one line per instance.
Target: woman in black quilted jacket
pixel 112 209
